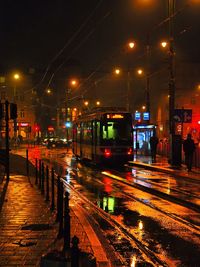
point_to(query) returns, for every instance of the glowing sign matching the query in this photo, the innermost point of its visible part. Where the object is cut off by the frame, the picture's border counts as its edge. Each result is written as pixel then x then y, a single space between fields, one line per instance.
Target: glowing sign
pixel 68 124
pixel 146 116
pixel 115 116
pixel 50 128
pixel 23 124
pixel 137 115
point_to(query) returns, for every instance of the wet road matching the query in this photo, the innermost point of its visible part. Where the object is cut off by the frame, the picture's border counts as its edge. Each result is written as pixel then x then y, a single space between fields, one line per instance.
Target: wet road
pixel 169 230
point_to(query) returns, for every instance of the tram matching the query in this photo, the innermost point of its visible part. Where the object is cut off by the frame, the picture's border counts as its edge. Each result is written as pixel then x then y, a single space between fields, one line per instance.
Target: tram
pixel 104 136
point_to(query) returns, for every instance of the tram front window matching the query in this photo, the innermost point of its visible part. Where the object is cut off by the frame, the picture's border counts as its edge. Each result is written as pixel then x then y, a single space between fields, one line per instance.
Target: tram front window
pixel 116 133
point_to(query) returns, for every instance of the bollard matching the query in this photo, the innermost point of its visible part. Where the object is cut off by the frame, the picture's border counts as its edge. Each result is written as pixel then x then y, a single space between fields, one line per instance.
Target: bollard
pixel 47 183
pixel 66 246
pixel 27 163
pixel 42 179
pixel 60 230
pixel 52 190
pixel 40 173
pixel 75 252
pixel 36 171
pixel 58 199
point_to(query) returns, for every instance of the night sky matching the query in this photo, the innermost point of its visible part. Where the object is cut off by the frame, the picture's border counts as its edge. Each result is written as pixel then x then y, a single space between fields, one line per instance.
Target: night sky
pixel 88 37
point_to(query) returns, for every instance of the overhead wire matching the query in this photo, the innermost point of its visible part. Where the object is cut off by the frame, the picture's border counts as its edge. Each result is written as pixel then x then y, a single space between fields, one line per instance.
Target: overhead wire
pixel 65 46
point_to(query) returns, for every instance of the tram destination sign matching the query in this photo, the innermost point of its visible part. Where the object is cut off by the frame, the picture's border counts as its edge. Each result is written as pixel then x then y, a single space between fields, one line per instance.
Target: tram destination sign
pixel 183 115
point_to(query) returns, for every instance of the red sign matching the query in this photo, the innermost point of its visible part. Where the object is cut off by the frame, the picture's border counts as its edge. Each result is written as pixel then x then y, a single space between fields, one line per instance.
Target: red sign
pixel 50 129
pixel 23 124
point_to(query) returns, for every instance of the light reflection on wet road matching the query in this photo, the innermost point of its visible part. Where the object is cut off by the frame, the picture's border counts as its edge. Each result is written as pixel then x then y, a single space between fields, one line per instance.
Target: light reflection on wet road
pixel 176 243
pixel 160 233
pixel 166 183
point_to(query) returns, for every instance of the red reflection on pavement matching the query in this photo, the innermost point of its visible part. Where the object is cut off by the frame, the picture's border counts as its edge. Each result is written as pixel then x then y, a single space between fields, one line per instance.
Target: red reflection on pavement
pixel 107 185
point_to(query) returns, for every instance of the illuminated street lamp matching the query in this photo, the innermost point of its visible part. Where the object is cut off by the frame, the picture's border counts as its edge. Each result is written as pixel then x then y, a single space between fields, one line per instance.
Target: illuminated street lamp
pixel 49 91
pixel 73 82
pixel 16 77
pixel 173 149
pixel 98 103
pixel 164 44
pixel 140 72
pixel 86 103
pixel 117 71
pixel 131 45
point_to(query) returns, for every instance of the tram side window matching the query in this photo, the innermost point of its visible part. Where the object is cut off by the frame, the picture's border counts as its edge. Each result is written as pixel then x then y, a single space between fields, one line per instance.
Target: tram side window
pixel 87 132
pixel 78 133
pixel 98 132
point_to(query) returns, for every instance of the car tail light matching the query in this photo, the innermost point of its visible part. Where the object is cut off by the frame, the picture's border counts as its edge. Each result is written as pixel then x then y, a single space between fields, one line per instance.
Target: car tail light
pixel 130 151
pixel 107 152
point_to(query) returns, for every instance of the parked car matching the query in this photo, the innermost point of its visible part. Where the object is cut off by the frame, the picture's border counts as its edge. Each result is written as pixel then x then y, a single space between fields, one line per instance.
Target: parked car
pixel 56 143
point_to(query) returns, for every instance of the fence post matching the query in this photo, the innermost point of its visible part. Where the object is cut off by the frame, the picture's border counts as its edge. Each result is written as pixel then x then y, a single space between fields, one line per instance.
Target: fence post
pixel 27 163
pixel 75 252
pixel 47 183
pixel 42 179
pixel 66 223
pixel 40 173
pixel 52 189
pixel 58 199
pixel 36 171
pixel 60 231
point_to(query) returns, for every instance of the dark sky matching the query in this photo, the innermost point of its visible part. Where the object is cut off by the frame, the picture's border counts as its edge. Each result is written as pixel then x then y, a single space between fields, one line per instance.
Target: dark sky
pixel 93 32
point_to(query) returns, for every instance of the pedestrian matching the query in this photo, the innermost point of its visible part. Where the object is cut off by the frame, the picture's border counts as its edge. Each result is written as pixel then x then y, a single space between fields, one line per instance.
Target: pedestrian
pixel 189 148
pixel 153 146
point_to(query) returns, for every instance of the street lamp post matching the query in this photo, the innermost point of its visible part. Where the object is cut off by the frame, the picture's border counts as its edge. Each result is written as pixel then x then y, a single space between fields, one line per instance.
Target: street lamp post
pixel 174 158
pixel 16 77
pixel 148 77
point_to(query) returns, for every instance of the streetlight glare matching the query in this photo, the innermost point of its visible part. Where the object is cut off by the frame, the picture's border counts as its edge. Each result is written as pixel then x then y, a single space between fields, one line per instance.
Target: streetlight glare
pixel 164 44
pixel 74 82
pixel 86 103
pixel 16 76
pixel 98 103
pixel 144 4
pixel 131 45
pixel 117 71
pixel 140 71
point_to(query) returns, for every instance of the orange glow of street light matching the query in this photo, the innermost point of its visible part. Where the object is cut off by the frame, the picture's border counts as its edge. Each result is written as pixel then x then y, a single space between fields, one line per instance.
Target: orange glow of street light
pixel 140 72
pixel 131 45
pixel 164 44
pixel 98 103
pixel 117 71
pixel 49 91
pixel 74 82
pixel 86 103
pixel 16 76
pixel 143 107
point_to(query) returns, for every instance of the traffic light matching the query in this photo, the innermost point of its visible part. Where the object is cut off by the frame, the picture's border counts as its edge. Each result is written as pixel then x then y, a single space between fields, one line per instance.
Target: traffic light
pixel 13 111
pixel 1 111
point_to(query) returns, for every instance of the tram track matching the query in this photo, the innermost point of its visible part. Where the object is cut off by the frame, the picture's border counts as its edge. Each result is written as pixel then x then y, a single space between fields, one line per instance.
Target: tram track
pixel 150 255
pixel 186 223
pixel 147 250
pixel 157 193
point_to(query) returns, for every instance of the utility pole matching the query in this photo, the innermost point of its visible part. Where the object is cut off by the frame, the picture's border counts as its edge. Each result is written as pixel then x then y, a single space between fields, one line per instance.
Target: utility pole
pixel 175 144
pixel 128 92
pixel 7 165
pixel 148 77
